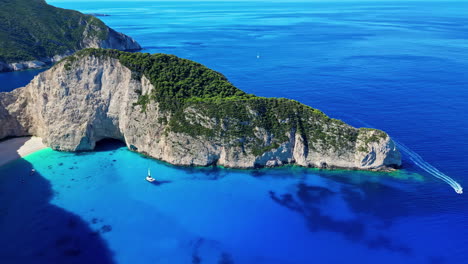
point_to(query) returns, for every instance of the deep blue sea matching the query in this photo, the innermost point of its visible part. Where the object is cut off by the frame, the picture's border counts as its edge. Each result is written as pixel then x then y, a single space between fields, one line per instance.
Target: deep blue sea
pixel 398 66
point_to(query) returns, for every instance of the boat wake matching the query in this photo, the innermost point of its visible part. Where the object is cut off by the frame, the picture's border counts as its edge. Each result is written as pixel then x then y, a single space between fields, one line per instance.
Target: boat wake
pixel 421 163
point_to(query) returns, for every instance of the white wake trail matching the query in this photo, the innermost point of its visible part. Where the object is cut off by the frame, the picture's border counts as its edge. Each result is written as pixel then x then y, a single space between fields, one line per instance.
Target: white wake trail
pixel 424 165
pixel 421 163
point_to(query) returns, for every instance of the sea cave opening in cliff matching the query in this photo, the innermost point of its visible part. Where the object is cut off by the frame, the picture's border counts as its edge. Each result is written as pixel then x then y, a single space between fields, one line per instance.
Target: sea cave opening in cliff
pixel 107 144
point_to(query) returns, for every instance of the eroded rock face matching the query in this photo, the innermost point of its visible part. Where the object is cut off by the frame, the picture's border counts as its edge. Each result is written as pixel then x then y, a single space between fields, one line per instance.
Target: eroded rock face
pixel 117 40
pixel 73 108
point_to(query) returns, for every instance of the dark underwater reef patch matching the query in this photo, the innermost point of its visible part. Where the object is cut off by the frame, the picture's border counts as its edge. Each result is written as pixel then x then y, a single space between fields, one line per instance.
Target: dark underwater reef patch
pixel 224 257
pixel 306 202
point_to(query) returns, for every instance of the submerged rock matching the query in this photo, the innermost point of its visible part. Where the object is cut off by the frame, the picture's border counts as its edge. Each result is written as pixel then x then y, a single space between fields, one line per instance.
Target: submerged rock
pixel 183 113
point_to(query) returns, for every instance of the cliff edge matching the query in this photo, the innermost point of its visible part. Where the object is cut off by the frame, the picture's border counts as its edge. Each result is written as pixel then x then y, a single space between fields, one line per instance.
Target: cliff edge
pixel 183 113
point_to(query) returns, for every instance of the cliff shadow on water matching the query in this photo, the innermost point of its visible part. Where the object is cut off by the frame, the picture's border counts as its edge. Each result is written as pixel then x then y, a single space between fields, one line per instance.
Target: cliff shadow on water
pixel 33 230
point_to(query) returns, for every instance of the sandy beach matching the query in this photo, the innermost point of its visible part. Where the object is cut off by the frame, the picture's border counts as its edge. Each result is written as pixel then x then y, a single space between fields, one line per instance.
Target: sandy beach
pixel 15 148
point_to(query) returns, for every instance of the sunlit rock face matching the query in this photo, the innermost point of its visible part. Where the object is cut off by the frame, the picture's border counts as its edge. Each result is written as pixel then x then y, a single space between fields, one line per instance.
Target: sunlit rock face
pixel 74 106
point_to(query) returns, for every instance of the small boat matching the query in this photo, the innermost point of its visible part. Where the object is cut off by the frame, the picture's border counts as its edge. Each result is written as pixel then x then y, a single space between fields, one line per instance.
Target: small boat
pixel 149 178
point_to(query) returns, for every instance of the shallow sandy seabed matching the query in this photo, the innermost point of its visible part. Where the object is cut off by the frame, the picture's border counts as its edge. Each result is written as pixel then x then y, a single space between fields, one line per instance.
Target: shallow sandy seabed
pixel 15 148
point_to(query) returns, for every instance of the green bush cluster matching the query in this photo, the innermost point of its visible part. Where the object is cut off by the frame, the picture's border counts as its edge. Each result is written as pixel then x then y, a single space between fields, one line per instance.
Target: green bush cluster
pixel 175 80
pixel 181 86
pixel 32 29
pixel 375 137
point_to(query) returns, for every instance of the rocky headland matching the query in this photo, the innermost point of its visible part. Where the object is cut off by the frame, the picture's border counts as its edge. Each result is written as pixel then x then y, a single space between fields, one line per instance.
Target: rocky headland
pixel 183 113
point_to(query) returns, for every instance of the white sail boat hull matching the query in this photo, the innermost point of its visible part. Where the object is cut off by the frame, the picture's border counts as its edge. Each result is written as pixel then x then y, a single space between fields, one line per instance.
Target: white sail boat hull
pixel 149 178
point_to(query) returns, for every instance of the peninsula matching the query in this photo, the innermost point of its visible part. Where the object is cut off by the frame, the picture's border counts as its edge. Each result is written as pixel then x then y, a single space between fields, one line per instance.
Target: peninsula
pixel 181 112
pixel 34 34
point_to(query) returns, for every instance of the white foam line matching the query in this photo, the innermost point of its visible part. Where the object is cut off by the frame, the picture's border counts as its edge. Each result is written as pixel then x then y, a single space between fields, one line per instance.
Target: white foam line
pixel 421 163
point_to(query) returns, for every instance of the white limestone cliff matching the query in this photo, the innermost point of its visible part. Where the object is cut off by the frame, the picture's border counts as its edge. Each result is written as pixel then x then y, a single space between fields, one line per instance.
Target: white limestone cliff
pixel 72 109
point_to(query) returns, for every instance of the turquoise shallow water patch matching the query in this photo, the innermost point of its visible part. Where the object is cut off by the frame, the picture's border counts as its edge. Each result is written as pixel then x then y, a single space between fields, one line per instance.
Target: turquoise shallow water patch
pixel 285 215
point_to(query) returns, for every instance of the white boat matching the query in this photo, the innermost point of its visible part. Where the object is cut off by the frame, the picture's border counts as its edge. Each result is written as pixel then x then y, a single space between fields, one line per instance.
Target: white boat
pixel 149 178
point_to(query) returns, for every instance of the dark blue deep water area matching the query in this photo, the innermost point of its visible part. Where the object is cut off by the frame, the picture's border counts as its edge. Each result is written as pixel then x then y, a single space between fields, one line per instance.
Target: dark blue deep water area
pixel 398 66
pixel 12 80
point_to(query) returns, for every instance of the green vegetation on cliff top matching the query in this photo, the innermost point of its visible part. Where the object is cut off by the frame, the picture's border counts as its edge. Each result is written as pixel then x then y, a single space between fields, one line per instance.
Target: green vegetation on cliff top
pixel 32 29
pixel 176 81
pixel 181 85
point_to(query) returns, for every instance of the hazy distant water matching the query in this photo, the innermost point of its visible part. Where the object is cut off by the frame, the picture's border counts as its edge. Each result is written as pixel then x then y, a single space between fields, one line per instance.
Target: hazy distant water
pixel 396 66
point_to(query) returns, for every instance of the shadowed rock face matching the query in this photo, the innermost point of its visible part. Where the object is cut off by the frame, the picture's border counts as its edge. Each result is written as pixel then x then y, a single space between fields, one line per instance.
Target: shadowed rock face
pixel 73 106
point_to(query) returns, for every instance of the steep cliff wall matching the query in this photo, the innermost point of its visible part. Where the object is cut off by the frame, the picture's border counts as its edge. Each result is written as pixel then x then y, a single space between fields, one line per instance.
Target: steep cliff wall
pixel 174 110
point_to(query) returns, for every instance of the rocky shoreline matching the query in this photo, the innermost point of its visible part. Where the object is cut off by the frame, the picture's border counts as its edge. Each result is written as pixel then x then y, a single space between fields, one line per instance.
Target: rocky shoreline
pixel 88 97
pixel 115 40
pixel 33 64
pixel 40 39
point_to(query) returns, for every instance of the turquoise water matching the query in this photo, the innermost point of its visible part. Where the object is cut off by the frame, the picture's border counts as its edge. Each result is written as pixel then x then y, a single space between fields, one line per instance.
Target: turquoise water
pixel 400 67
pixel 288 215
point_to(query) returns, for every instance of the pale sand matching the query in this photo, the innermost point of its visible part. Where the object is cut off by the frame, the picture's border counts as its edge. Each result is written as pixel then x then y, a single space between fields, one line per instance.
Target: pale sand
pixel 15 148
